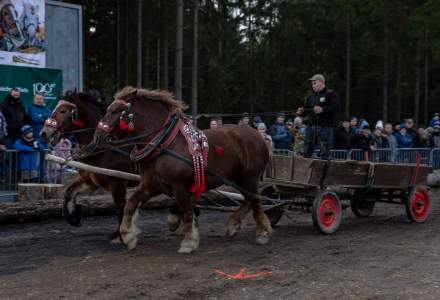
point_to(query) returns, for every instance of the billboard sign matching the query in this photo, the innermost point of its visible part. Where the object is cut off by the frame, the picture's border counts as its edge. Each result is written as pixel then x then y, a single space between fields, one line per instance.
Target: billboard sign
pixel 22 33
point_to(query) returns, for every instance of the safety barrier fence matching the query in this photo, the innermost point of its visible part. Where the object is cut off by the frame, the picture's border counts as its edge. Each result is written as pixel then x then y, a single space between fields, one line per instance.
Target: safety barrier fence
pixel 427 156
pixel 29 167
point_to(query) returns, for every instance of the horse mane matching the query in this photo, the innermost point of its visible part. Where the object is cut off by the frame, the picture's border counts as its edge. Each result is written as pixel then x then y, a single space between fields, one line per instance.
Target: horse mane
pixel 159 95
pixel 89 99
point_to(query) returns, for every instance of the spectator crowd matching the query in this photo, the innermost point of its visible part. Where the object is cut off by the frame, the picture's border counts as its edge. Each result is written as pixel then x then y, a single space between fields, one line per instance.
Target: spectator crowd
pixel 351 133
pixel 19 130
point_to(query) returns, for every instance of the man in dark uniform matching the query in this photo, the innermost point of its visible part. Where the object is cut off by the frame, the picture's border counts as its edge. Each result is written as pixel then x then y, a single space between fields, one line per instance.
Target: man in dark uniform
pixel 320 110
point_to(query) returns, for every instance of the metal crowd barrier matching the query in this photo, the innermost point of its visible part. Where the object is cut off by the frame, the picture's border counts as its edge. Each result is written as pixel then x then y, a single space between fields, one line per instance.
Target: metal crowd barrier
pixel 30 167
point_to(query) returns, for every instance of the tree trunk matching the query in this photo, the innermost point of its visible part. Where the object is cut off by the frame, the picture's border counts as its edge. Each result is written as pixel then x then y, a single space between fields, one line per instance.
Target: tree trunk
pixel 398 108
pixel 165 59
pixel 179 49
pixel 139 44
pixel 385 70
pixel 348 66
pixel 127 40
pixel 195 59
pixel 118 45
pixel 417 82
pixel 426 89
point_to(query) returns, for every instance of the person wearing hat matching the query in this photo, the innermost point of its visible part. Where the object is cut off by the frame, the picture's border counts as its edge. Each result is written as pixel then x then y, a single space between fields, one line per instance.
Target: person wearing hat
pixel 364 140
pixel 28 155
pixel 256 120
pixel 434 138
pixel 404 139
pixel 344 136
pixel 280 133
pixel 320 109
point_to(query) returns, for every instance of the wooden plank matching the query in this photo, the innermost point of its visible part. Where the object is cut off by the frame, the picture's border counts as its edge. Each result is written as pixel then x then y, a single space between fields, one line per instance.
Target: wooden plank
pixel 308 171
pixel 282 167
pixel 347 173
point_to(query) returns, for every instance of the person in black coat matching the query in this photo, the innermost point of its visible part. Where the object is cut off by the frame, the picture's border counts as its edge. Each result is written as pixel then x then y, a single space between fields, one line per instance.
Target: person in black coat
pixel 320 108
pixel 344 136
pixel 15 116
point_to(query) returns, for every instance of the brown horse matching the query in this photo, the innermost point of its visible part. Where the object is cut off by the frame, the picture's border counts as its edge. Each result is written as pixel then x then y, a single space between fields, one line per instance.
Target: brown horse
pixel 242 160
pixel 79 115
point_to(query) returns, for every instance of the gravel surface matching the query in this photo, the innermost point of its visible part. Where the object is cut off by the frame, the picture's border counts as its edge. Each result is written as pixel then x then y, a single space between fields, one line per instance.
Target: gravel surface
pixel 380 257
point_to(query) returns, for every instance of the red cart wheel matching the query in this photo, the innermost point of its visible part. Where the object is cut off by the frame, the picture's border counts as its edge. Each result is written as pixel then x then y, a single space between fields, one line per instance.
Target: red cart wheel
pixel 327 212
pixel 417 205
pixel 274 213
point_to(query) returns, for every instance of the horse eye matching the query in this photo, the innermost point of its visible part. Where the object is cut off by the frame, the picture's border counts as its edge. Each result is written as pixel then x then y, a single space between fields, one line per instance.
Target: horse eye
pixel 114 112
pixel 63 111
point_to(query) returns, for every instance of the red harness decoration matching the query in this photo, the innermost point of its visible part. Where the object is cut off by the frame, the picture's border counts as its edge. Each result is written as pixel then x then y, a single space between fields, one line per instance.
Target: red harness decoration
pixel 78 123
pixel 198 147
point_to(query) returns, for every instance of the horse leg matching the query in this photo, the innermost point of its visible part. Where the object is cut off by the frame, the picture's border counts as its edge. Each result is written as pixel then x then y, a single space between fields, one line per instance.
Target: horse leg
pixel 191 240
pixel 119 192
pixel 235 221
pixel 264 229
pixel 174 218
pixel 129 229
pixel 71 211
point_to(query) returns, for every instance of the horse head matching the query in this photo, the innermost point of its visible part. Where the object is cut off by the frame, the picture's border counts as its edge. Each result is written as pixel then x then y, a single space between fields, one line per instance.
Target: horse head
pixel 138 113
pixel 69 116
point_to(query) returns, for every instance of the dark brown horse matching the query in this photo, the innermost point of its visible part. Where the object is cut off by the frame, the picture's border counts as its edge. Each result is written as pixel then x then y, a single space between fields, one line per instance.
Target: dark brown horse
pixel 242 160
pixel 79 115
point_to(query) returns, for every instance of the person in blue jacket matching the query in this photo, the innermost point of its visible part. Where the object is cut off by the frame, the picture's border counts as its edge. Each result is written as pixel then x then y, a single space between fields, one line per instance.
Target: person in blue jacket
pixel 404 139
pixel 281 136
pixel 38 113
pixel 28 162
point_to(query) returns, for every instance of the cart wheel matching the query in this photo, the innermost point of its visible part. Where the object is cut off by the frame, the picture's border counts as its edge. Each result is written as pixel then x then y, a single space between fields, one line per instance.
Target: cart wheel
pixel 417 205
pixel 327 212
pixel 361 208
pixel 274 214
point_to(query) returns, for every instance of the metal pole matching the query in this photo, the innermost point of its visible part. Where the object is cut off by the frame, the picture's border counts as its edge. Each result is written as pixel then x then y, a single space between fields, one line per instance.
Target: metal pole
pixel 195 60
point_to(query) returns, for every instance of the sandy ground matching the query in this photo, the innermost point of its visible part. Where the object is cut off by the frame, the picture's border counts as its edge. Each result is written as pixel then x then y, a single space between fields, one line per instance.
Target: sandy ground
pixel 380 257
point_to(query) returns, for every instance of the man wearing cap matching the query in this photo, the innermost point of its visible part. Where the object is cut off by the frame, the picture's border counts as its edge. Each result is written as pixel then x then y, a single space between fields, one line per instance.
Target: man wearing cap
pixel 320 109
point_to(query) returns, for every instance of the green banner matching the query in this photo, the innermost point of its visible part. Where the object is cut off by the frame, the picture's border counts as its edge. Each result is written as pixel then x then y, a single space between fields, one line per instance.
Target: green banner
pixel 48 82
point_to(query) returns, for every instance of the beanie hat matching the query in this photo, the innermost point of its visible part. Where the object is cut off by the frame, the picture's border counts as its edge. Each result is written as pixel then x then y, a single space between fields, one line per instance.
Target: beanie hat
pixel 26 129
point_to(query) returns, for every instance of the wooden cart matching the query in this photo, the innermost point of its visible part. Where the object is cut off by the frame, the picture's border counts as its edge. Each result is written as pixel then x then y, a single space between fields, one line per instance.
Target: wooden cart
pixel 326 187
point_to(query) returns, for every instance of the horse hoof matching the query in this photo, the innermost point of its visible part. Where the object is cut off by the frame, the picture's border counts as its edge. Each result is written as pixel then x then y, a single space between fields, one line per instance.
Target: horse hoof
pixel 131 244
pixel 185 250
pixel 262 239
pixel 232 229
pixel 115 238
pixel 173 222
pixel 188 246
pixel 73 217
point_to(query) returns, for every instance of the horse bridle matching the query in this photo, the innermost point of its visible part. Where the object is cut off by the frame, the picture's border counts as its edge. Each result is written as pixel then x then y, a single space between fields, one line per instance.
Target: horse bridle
pixel 129 127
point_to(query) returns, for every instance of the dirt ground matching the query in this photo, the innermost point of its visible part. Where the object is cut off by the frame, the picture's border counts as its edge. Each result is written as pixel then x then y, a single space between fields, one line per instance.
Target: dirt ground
pixel 380 257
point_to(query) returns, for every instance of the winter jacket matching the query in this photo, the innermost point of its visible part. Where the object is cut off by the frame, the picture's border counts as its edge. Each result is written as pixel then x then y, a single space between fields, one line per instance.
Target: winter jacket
pixel 415 137
pixel 392 141
pixel 434 140
pixel 381 142
pixel 38 115
pixel 28 154
pixel 404 140
pixel 360 141
pixel 343 138
pixel 3 128
pixel 281 136
pixel 329 101
pixel 15 115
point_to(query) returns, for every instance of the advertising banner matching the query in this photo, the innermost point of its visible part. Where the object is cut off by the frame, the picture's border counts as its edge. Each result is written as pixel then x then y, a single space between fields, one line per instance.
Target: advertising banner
pixel 48 82
pixel 22 33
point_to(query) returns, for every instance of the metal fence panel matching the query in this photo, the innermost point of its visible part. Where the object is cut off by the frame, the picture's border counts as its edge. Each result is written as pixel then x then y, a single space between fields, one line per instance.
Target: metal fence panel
pixel 338 154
